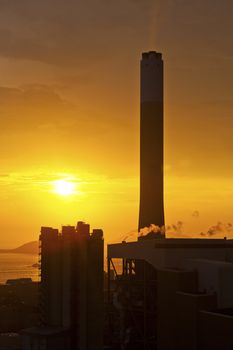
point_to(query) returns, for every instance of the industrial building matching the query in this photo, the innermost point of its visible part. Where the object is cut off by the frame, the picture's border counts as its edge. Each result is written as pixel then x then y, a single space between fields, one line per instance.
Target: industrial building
pixel 167 294
pixel 71 290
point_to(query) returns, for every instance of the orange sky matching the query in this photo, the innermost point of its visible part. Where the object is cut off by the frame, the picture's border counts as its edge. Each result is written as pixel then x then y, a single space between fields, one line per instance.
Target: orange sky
pixel 69 109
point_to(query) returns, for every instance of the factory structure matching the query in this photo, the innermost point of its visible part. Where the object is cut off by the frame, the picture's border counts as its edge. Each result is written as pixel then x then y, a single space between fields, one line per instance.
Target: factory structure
pixel 71 291
pixel 171 294
pixel 159 294
pixel 166 294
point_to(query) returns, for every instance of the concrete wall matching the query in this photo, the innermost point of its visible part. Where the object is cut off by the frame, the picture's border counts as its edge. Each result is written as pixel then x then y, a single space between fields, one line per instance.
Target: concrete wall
pixel 179 304
pixel 188 306
pixel 169 282
pixel 215 331
pixel 215 276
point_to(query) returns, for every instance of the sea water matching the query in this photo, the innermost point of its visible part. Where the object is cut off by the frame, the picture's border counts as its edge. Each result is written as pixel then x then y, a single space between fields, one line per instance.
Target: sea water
pixel 18 266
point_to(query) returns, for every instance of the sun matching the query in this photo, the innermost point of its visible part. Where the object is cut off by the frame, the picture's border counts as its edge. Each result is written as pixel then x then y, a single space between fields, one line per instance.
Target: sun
pixel 64 187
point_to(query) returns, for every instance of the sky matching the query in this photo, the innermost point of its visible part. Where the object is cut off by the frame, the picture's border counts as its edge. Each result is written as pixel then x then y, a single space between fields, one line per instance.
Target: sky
pixel 69 110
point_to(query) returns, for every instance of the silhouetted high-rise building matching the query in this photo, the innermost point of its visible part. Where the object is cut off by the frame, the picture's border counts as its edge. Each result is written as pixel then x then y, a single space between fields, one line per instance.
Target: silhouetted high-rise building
pixel 151 141
pixel 71 290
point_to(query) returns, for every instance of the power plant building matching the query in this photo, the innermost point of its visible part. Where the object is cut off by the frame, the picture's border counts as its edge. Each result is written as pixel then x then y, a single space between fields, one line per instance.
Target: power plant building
pixel 166 294
pixel 71 290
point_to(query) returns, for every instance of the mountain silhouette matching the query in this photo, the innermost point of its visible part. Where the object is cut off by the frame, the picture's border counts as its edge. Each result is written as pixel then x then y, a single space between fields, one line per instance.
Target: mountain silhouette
pixel 27 248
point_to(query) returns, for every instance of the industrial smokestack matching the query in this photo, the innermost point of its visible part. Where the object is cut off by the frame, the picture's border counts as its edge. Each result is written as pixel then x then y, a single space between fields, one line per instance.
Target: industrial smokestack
pixel 151 141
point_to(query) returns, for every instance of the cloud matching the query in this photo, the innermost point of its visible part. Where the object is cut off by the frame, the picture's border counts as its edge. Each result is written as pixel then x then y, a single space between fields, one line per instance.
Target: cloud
pixel 71 32
pixel 31 106
pixel 92 186
pixel 94 31
pixel 195 214
pixel 37 95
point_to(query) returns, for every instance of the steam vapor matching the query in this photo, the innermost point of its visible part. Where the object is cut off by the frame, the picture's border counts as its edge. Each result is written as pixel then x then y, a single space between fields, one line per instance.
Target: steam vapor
pixel 195 214
pixel 174 228
pixel 219 228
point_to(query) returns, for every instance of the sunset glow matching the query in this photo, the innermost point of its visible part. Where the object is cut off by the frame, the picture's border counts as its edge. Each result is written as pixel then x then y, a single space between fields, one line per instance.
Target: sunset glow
pixel 70 114
pixel 64 188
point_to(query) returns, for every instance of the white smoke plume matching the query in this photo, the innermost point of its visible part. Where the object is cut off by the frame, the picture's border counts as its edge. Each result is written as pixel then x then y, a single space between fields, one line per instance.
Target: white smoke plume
pixel 152 228
pixel 173 228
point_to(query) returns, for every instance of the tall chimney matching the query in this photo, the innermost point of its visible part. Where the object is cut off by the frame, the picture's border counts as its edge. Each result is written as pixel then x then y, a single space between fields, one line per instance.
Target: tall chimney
pixel 151 141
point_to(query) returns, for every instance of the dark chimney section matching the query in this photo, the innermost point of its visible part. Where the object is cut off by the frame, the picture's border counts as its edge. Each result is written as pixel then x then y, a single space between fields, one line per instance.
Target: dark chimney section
pixel 151 141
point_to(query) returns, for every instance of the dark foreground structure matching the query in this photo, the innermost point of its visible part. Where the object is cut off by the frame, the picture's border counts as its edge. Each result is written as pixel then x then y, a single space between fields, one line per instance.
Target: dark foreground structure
pixel 18 305
pixel 71 291
pixel 171 294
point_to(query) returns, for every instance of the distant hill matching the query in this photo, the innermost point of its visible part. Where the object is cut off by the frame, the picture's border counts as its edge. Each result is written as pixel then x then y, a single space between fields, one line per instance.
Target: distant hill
pixel 27 248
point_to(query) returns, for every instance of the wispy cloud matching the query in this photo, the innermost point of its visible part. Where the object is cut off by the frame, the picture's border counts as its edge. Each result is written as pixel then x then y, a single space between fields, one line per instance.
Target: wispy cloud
pixel 89 185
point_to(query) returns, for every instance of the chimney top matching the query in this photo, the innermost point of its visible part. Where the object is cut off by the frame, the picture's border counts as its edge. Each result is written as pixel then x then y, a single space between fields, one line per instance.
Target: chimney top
pixel 151 55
